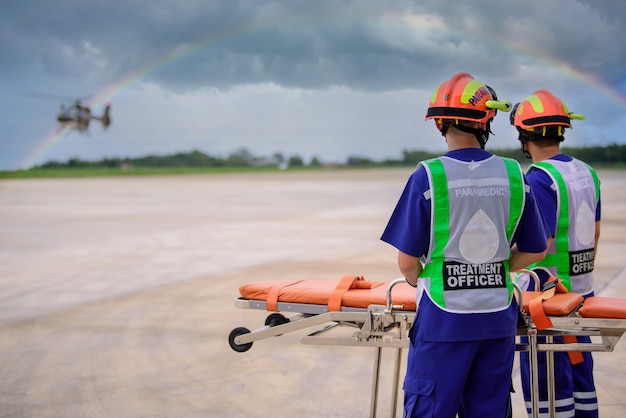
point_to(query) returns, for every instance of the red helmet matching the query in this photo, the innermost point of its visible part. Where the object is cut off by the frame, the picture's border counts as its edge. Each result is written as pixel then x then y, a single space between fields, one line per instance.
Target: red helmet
pixel 464 98
pixel 541 110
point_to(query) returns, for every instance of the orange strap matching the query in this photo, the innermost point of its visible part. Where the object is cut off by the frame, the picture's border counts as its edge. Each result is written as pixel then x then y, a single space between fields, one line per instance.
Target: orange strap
pixel 535 307
pixel 347 282
pixel 271 303
pixel 542 321
pixel 575 357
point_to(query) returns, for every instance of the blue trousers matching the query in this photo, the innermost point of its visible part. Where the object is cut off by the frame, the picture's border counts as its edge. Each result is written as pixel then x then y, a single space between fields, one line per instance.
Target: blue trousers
pixel 575 391
pixel 468 378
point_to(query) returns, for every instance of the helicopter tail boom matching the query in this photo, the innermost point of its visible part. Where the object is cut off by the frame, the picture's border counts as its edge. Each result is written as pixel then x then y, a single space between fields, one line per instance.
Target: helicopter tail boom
pixel 105 119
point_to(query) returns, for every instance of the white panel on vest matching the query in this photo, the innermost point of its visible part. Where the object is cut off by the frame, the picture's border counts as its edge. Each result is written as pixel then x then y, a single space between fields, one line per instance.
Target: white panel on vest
pixel 479 241
pixel 585 225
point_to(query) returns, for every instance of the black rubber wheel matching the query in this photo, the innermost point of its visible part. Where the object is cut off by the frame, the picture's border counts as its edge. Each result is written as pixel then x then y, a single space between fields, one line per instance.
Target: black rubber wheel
pixel 240 348
pixel 275 319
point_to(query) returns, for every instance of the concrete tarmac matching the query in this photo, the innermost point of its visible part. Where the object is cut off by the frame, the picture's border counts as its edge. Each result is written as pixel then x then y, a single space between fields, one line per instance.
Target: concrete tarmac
pixel 116 294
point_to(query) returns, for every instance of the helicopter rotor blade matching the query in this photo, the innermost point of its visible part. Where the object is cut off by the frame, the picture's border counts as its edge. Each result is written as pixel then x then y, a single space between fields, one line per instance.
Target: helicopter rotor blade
pixel 53 97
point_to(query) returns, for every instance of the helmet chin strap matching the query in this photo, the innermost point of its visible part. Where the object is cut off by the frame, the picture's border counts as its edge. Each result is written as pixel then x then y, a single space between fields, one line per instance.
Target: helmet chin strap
pixel 482 135
pixel 522 142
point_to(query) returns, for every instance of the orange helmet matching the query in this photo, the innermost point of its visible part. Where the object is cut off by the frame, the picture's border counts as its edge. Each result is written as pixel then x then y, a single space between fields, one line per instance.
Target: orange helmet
pixel 540 111
pixel 464 98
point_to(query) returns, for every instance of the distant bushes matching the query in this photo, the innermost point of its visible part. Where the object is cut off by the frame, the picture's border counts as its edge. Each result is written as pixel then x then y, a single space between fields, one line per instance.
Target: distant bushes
pixel 614 155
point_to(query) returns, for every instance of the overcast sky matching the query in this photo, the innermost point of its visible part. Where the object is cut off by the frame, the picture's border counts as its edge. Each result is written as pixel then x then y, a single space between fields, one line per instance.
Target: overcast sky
pixel 320 78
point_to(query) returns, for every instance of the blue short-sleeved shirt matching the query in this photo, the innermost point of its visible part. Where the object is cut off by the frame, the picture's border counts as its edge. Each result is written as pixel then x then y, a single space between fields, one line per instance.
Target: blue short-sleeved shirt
pixel 408 230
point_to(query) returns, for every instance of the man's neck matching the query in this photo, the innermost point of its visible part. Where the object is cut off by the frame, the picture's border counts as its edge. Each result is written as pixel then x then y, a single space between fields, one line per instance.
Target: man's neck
pixel 458 140
pixel 541 154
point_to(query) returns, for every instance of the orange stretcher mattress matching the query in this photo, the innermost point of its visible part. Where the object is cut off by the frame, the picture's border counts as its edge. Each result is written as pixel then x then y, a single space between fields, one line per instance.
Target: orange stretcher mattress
pixel 563 304
pixel 603 307
pixel 350 291
pixel 560 304
pixel 356 292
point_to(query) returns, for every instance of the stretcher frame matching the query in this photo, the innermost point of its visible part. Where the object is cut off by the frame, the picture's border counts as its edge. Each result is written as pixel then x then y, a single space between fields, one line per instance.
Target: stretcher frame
pixel 610 330
pixel 387 326
pixel 377 326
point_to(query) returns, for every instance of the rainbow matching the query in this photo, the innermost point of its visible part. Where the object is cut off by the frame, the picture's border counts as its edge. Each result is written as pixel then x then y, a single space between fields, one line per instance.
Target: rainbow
pixel 589 79
pixel 109 93
pixel 117 88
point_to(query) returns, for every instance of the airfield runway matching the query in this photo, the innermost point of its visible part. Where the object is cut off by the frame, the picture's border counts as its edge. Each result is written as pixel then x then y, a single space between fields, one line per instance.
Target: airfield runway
pixel 116 294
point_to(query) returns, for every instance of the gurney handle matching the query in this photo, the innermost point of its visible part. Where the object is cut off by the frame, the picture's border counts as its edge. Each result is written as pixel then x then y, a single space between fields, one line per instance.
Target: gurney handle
pixel 391 285
pixel 533 275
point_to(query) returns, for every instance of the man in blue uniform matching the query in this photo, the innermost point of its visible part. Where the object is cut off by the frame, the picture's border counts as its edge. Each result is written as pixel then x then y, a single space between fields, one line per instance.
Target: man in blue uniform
pixel 568 195
pixel 462 223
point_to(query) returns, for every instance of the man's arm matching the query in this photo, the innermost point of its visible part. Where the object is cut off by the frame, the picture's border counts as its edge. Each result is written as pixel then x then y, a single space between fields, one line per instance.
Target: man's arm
pixel 520 259
pixel 410 267
pixel 595 246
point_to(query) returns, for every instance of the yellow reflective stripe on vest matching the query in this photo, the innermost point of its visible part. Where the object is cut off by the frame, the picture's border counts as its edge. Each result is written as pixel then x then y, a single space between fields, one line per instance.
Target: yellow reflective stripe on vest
pixel 560 259
pixel 441 224
pixel 516 185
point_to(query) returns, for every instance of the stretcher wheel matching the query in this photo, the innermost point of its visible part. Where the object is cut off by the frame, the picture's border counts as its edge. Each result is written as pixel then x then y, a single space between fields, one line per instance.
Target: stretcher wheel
pixel 240 348
pixel 275 319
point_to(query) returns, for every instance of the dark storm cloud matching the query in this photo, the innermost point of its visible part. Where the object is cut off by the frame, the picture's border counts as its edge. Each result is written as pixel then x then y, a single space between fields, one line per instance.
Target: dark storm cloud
pixel 311 44
pixel 199 68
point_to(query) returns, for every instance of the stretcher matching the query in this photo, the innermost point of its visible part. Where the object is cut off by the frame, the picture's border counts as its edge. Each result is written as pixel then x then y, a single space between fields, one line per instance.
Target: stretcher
pixel 382 313
pixel 552 311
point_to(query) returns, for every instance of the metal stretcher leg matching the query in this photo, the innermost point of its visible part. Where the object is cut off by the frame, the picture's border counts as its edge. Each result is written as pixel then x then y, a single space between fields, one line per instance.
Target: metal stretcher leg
pixel 533 349
pixel 550 382
pixel 610 330
pixel 375 381
pixel 534 371
pixel 396 382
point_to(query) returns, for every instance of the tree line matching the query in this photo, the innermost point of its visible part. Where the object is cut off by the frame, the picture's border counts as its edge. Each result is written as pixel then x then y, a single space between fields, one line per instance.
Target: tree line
pixel 614 154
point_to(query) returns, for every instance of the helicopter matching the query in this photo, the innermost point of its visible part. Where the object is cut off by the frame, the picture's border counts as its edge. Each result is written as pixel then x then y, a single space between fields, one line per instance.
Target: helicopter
pixel 77 116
